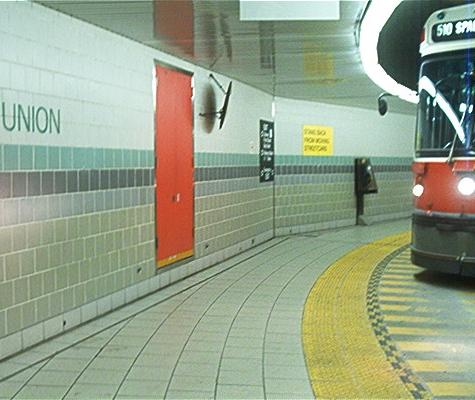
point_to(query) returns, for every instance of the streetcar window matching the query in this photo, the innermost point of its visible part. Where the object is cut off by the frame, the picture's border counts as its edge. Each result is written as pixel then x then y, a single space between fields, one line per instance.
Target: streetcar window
pixel 453 79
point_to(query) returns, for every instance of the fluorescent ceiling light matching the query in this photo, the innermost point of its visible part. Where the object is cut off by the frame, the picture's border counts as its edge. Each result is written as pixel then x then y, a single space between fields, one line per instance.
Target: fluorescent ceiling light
pixel 376 16
pixel 289 10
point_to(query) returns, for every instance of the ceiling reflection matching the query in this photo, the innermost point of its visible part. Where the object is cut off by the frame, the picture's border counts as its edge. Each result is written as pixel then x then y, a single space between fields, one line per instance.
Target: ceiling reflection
pixel 307 60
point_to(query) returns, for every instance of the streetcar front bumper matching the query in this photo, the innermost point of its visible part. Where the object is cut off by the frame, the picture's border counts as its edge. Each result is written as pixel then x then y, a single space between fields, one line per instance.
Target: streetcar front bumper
pixel 444 242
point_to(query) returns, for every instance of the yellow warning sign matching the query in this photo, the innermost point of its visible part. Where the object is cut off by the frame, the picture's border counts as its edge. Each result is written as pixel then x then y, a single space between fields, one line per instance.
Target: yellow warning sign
pixel 317 140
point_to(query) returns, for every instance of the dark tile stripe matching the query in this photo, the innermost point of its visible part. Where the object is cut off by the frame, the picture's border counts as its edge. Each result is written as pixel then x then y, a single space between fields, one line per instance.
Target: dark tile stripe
pixel 393 168
pixel 334 169
pixel 204 174
pixel 313 169
pixel 36 183
pixel 28 184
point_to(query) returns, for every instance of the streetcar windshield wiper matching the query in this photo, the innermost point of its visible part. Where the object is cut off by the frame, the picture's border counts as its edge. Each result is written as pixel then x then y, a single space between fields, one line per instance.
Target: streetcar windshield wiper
pixel 428 86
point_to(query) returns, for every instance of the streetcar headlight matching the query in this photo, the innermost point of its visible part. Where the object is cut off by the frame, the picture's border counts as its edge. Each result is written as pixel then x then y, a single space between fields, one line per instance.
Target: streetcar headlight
pixel 466 186
pixel 417 190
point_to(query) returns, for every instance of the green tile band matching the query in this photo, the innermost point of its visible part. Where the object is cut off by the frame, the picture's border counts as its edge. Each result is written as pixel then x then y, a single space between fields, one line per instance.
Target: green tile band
pixel 25 158
pixel 337 160
pixel 40 158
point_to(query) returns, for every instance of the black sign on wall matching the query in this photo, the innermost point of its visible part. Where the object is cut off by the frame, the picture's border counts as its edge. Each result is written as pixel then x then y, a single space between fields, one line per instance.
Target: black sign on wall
pixel 266 151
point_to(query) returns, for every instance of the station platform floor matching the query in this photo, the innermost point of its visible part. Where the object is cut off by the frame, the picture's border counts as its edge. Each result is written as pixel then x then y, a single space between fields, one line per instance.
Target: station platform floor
pixel 337 314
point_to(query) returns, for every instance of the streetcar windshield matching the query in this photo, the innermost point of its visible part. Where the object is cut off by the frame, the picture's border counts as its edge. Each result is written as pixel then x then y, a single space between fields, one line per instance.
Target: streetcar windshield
pixel 445 123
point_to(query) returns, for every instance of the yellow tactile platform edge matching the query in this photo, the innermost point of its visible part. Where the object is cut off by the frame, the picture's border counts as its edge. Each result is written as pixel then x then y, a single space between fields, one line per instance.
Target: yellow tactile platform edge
pixel 344 356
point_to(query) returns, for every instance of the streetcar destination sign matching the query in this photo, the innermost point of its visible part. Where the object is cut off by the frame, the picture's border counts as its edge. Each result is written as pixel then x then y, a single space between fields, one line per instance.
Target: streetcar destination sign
pixel 454 30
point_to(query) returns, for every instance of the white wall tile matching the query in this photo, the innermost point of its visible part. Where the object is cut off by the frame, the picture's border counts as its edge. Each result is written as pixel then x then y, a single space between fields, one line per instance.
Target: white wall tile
pixel 32 335
pixel 56 67
pixel 104 305
pixel 53 326
pixel 131 293
pixel 118 299
pixel 357 132
pixel 10 345
pixel 72 318
pixel 143 288
pixel 89 311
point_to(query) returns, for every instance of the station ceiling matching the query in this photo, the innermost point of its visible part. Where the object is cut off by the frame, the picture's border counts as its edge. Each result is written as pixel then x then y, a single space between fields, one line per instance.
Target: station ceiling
pixel 313 60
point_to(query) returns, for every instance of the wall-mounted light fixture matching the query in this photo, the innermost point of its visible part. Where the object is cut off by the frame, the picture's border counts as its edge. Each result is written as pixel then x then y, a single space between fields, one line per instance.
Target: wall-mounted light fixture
pixel 382 103
pixel 221 114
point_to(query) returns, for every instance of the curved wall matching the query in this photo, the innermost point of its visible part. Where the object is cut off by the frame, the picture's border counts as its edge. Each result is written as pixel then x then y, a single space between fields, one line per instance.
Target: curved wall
pixel 77 189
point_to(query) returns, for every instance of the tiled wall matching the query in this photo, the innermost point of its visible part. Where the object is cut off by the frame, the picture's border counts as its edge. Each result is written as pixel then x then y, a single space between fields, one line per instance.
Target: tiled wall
pixel 77 209
pixel 232 207
pixel 394 198
pixel 76 225
pixel 318 192
pixel 79 229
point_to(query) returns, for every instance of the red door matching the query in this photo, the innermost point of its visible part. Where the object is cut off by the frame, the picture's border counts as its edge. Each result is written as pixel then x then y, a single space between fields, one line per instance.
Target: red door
pixel 175 166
